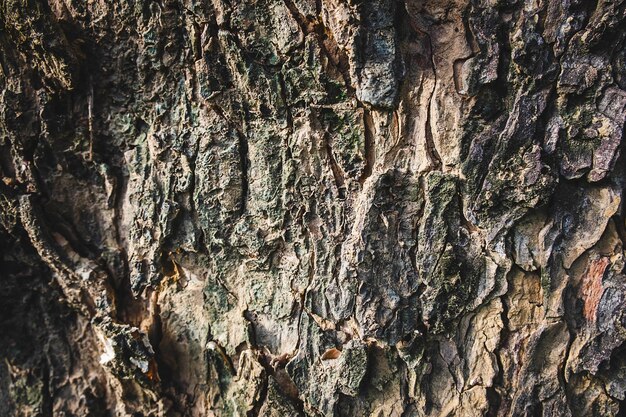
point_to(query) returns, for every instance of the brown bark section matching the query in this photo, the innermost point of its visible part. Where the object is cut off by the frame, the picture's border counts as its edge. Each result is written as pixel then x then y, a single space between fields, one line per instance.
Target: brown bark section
pixel 297 207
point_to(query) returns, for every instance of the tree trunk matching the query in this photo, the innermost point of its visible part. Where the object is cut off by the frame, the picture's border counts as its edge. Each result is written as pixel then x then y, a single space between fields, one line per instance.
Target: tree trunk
pixel 312 208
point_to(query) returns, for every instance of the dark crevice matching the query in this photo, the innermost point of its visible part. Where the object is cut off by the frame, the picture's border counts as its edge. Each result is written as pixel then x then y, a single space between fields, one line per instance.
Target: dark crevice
pixel 47 395
pixel 262 398
pixel 245 163
pixel 431 148
pixel 336 169
pixel 370 145
pixel 285 102
pixel 496 393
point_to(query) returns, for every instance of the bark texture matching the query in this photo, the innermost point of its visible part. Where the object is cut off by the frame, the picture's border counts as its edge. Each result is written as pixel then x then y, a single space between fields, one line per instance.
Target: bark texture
pixel 312 208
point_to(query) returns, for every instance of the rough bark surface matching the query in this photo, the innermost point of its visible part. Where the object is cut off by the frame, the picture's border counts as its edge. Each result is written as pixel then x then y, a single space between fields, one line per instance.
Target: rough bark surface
pixel 312 208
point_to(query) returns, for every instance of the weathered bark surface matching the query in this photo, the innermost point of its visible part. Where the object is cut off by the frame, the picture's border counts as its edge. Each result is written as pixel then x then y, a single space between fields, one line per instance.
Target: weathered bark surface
pixel 299 207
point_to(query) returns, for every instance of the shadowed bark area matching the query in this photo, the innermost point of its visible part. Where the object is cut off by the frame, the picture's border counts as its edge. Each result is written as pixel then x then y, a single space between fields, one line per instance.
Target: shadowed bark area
pixel 312 208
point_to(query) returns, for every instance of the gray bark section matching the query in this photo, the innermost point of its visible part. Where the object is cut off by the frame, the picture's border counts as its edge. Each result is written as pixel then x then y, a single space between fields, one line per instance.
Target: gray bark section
pixel 297 207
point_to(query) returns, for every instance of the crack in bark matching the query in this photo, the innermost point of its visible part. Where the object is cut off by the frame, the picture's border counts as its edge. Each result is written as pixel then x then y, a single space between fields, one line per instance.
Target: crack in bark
pixel 370 145
pixel 335 168
pixel 431 148
pixel 245 163
pixel 493 392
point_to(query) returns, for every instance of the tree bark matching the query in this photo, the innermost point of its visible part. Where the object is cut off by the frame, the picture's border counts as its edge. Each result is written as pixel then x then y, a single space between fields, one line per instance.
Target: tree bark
pixel 312 208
